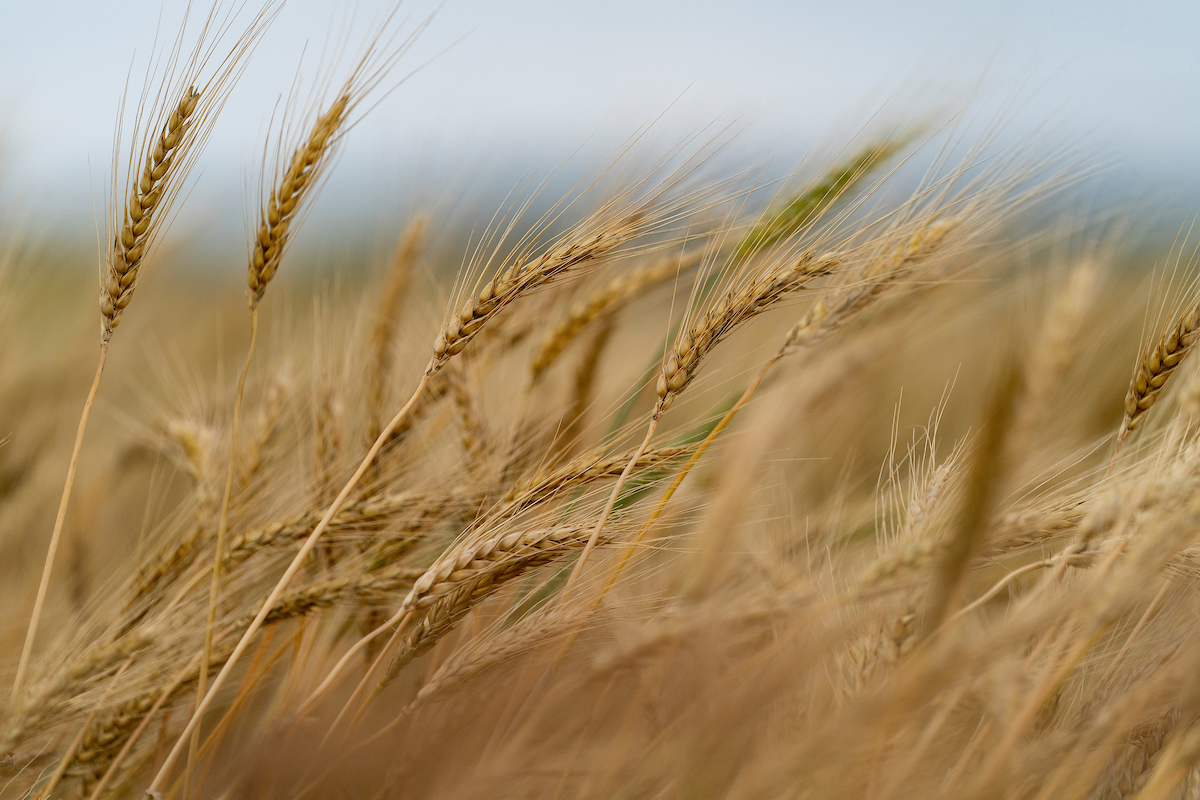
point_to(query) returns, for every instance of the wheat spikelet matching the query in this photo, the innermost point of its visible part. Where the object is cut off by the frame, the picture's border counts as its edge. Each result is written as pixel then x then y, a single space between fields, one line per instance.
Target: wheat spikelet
pixel 739 304
pixel 1155 368
pixel 609 298
pixel 148 193
pixel 471 572
pixel 523 277
pixel 863 290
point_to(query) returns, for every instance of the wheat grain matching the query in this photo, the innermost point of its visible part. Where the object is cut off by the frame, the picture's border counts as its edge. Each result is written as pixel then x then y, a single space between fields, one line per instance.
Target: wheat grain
pixel 739 304
pixel 523 277
pixel 1155 368
pixel 473 571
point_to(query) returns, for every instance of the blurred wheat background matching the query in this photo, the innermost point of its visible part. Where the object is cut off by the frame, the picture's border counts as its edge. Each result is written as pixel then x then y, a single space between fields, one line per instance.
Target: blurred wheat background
pixel 539 401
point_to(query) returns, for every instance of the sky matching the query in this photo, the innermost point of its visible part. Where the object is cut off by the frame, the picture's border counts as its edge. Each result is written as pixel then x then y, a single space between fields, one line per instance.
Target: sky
pixel 498 86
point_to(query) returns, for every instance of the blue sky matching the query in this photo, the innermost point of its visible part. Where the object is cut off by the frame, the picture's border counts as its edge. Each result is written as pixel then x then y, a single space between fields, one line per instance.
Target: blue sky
pixel 534 79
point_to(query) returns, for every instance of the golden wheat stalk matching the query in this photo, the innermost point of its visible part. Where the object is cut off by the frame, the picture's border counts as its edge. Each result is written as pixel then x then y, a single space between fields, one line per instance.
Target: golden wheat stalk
pixel 175 126
pixel 277 223
pixel 576 250
pixel 740 303
pixel 391 298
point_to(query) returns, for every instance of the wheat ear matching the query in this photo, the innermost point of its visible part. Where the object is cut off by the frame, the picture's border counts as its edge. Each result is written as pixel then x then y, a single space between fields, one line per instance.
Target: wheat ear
pixel 118 281
pixel 497 294
pixel 610 297
pixel 1155 368
pixel 275 228
pixel 805 207
pixel 740 303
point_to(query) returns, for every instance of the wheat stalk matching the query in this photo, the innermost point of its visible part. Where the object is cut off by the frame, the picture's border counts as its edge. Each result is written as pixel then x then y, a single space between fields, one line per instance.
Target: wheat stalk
pixel 391 297
pixel 513 282
pixel 737 305
pixel 158 167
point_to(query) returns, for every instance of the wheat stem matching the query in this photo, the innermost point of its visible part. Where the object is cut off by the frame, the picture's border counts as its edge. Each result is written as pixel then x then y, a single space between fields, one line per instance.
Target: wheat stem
pixel 219 549
pixel 632 546
pixel 56 536
pixel 282 584
pixel 69 755
pixel 612 501
pixel 998 587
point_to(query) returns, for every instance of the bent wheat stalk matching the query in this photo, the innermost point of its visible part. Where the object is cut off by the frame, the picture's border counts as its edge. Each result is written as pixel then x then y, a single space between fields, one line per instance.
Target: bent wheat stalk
pixel 503 290
pixel 739 304
pixel 167 137
pixel 276 226
pixel 162 167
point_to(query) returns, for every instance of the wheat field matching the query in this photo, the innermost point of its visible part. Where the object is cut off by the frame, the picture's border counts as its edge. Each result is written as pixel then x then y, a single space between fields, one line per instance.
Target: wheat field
pixel 687 483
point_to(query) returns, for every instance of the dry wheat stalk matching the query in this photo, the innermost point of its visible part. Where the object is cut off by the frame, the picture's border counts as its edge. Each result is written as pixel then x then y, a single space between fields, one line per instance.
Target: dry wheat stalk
pixel 391 298
pixel 472 429
pixel 483 653
pixel 471 572
pixel 523 277
pixel 267 426
pixel 583 385
pixel 1053 350
pixel 168 134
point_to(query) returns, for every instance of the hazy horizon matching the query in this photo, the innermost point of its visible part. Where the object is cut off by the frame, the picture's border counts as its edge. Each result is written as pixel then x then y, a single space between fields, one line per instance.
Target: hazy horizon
pixel 506 90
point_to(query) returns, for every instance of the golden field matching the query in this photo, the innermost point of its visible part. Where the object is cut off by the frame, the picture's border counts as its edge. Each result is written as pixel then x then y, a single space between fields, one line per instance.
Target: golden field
pixel 873 482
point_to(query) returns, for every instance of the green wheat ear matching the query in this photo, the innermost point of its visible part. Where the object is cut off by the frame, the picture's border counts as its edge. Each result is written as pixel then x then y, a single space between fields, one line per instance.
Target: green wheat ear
pixel 805 206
